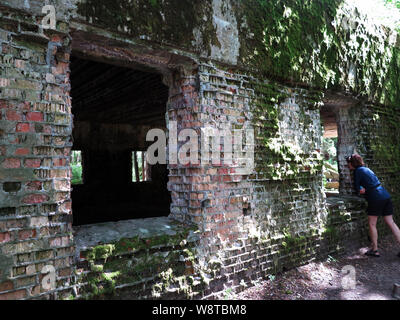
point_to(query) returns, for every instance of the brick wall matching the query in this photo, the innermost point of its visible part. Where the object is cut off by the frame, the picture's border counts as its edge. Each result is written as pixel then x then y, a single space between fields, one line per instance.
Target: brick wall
pixel 151 259
pixel 35 141
pixel 278 217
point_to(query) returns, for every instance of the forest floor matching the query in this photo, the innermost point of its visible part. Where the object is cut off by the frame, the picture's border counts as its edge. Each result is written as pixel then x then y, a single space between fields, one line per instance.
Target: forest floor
pixel 330 280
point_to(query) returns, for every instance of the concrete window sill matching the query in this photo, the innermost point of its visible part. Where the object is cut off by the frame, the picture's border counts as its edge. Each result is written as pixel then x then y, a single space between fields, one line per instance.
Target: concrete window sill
pixel 91 235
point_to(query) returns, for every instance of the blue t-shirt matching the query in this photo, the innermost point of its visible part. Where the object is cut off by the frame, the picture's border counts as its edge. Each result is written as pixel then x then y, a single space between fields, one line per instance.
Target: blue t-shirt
pixel 364 177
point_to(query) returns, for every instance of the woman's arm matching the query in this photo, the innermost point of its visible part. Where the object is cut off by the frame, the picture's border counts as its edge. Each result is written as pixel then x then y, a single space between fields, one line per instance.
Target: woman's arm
pixel 357 180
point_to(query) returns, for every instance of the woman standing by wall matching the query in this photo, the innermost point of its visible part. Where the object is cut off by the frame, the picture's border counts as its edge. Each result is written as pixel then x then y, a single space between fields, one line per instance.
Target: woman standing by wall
pixel 379 200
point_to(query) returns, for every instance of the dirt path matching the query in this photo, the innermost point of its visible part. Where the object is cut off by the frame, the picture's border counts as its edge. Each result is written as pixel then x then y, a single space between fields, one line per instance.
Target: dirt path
pixel 323 280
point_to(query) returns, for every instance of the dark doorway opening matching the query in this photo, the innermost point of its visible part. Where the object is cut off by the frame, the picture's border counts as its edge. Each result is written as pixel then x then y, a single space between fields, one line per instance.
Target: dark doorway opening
pixel 330 151
pixel 113 109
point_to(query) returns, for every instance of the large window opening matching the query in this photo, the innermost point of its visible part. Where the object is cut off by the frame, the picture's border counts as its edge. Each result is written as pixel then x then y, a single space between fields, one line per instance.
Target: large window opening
pixel 330 151
pixel 113 109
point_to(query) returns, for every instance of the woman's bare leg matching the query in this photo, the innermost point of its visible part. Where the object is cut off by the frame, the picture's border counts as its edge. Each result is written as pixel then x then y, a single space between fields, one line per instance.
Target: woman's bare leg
pixel 392 225
pixel 373 232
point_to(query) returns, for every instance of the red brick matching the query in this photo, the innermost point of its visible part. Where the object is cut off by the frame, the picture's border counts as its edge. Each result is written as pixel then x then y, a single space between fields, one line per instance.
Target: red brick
pixel 66 206
pixel 25 234
pixel 23 127
pixel 34 116
pixel 4 104
pixel 22 151
pixel 35 198
pixel 5 237
pixel 25 106
pixel 13 295
pixel 59 162
pixel 67 152
pixel 5 286
pixel 34 185
pixel 223 171
pixel 11 163
pixel 61 68
pixel 20 223
pixel 32 163
pixel 13 115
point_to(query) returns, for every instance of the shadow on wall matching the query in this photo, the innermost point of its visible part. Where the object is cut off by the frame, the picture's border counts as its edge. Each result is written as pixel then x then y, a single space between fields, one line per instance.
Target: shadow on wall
pixel 172 21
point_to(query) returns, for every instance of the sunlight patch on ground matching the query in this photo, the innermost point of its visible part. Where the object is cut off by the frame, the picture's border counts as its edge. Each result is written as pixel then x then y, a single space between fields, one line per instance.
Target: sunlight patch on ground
pixel 361 295
pixel 359 255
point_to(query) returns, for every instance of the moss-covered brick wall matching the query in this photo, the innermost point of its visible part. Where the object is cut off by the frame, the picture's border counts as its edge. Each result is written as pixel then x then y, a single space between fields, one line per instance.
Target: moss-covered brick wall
pixel 325 43
pixel 378 141
pixel 254 64
pixel 143 266
pixel 164 22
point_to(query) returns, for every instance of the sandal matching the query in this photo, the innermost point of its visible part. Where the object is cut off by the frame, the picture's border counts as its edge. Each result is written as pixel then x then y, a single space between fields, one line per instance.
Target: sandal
pixel 372 253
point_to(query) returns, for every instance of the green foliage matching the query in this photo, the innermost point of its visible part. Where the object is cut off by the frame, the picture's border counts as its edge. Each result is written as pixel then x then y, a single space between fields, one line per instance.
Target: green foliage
pixel 385 147
pixel 291 242
pixel 76 166
pixel 329 151
pixel 329 147
pixel 76 174
pixel 279 159
pixel 153 3
pixel 393 2
pixel 139 155
pixel 285 33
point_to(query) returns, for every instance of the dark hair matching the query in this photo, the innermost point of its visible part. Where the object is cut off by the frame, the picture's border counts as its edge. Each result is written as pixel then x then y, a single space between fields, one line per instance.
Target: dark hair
pixel 355 160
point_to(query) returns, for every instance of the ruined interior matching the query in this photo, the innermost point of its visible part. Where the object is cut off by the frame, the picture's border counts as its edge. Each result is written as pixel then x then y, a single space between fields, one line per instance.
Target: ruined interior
pixel 113 107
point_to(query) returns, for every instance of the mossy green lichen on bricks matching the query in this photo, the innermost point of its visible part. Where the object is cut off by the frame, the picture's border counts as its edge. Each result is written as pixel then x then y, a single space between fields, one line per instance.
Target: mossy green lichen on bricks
pixel 173 22
pixel 325 43
pixel 278 157
pixel 131 262
pixel 384 140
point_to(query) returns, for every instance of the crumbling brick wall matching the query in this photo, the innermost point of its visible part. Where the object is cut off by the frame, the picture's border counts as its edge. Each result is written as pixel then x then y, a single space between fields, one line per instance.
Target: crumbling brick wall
pixel 219 72
pixel 34 167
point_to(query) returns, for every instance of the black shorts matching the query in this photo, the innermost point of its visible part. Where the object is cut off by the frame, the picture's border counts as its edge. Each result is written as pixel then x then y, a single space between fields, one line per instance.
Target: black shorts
pixel 380 207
